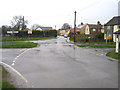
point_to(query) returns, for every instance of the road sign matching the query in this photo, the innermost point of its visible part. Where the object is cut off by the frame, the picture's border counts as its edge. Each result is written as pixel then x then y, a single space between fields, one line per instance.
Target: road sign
pixel 29 31
pixel 12 31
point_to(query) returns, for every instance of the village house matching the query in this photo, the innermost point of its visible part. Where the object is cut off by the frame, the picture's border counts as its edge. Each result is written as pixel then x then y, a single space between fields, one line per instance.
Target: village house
pixel 62 32
pixel 91 29
pixel 44 28
pixel 111 27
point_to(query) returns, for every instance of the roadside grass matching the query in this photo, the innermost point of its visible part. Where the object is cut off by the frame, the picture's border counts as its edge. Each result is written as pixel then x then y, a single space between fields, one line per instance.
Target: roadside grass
pixel 18 45
pixel 3 70
pixel 114 55
pixel 98 46
pixel 9 38
pixel 5 84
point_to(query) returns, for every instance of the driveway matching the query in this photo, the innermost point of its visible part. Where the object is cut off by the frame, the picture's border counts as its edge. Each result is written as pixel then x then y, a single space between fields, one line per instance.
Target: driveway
pixel 56 63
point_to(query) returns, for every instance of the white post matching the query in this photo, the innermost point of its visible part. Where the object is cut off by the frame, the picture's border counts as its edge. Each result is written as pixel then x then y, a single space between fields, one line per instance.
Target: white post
pixel 117 43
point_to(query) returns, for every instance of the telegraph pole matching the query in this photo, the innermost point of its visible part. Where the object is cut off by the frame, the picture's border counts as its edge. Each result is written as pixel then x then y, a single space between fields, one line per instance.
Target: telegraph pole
pixel 23 24
pixel 75 26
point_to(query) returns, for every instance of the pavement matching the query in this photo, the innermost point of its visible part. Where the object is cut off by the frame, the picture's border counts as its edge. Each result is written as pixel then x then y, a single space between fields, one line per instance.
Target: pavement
pixel 57 63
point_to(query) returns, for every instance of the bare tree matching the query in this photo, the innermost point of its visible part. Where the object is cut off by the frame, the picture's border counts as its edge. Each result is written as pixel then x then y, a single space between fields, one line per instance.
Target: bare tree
pixel 18 23
pixel 66 26
pixel 35 26
pixel 5 28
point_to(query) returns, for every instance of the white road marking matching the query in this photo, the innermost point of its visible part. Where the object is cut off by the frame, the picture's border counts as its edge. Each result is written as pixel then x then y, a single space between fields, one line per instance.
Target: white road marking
pixel 15 71
pixel 13 63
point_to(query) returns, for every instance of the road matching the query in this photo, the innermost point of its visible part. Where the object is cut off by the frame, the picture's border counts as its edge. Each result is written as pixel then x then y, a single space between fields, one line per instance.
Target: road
pixel 56 63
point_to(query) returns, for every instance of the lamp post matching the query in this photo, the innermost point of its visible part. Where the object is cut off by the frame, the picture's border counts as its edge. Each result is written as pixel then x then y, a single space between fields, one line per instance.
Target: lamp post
pixel 75 27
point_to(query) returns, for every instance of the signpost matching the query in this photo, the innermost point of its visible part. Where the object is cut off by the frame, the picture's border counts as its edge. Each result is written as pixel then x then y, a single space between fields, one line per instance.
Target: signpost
pixel 12 31
pixel 29 31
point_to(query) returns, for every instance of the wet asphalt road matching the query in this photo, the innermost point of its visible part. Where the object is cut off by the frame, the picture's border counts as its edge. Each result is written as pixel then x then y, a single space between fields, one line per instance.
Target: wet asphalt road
pixel 56 63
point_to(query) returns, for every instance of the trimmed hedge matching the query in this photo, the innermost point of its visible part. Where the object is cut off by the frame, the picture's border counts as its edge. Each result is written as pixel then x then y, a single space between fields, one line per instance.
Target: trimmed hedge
pixel 24 34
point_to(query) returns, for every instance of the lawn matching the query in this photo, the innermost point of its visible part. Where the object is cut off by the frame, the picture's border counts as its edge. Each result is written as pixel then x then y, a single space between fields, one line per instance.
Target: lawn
pixel 18 45
pixel 98 46
pixel 114 55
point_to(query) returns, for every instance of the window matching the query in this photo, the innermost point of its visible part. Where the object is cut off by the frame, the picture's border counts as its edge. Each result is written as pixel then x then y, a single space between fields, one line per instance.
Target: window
pixel 103 27
pixel 118 26
pixel 99 30
pixel 108 27
pixel 110 35
pixel 84 29
pixel 94 29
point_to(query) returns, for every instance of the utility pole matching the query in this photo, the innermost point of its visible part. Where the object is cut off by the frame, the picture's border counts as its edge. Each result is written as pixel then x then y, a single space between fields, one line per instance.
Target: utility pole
pixel 75 26
pixel 23 24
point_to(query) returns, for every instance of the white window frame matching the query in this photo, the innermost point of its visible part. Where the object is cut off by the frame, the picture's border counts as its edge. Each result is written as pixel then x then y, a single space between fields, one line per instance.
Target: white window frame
pixel 94 29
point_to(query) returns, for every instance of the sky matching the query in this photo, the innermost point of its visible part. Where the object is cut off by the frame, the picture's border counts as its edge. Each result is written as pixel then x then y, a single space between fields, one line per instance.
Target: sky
pixel 53 13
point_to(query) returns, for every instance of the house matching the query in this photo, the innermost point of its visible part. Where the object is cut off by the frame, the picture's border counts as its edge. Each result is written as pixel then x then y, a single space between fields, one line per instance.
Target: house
pixel 72 30
pixel 91 29
pixel 44 28
pixel 117 33
pixel 62 32
pixel 111 27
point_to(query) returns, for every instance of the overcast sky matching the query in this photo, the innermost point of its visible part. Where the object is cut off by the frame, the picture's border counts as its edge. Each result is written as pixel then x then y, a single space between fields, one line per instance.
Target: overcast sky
pixel 58 12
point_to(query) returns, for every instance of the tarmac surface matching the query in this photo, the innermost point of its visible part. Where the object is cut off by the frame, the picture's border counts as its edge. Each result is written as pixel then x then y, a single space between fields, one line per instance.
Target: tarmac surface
pixel 57 63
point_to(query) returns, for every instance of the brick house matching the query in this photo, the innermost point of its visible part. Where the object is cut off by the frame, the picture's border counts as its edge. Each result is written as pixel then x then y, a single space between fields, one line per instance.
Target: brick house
pixel 91 29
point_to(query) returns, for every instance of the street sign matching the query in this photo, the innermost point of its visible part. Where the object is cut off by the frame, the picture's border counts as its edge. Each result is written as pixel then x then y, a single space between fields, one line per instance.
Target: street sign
pixel 12 31
pixel 29 31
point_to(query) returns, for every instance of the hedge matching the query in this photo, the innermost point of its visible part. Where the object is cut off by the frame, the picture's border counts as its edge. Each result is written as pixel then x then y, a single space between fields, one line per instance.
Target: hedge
pixel 35 33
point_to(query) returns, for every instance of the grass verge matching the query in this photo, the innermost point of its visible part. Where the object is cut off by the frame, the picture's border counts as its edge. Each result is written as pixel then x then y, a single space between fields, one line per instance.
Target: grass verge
pixel 5 84
pixel 3 70
pixel 114 55
pixel 98 46
pixel 18 45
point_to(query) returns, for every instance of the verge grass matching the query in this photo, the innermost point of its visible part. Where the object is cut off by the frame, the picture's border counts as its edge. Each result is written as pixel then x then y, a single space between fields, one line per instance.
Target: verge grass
pixel 5 84
pixel 114 55
pixel 98 46
pixel 18 45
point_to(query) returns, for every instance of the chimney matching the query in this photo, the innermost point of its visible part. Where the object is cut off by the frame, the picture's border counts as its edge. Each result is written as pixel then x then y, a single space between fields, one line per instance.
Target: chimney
pixel 98 23
pixel 81 23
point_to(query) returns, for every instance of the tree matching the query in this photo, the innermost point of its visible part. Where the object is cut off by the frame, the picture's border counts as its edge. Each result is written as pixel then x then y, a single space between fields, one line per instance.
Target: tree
pixel 35 26
pixel 18 23
pixel 100 36
pixel 5 28
pixel 66 26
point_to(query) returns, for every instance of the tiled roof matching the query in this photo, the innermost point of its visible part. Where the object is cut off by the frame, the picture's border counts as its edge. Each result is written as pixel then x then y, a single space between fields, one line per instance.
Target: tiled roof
pixel 113 21
pixel 95 26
